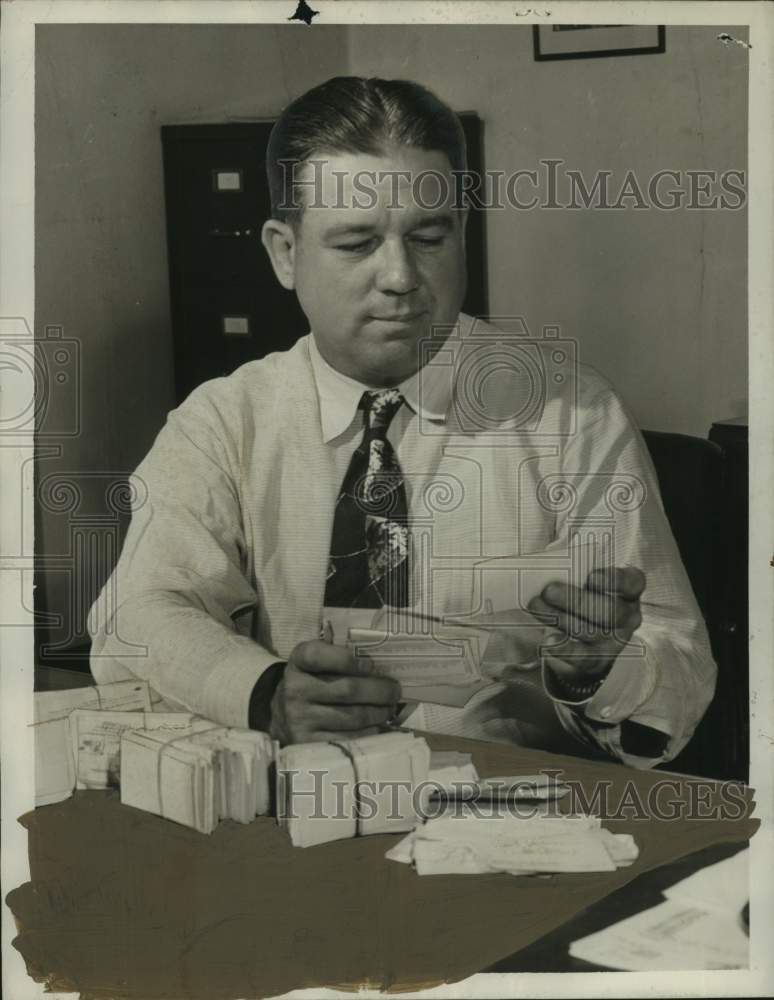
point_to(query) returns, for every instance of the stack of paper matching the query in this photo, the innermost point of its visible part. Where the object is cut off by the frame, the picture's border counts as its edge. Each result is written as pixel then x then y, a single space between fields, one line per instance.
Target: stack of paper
pixel 451 770
pixel 441 665
pixel 465 842
pixel 243 761
pixel 197 775
pixel 54 759
pixel 699 926
pixel 331 791
pixel 96 740
pixel 525 788
pixel 315 793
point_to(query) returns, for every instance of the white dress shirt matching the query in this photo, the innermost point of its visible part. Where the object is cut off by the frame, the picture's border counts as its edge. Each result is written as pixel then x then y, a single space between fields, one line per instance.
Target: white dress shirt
pixel 223 568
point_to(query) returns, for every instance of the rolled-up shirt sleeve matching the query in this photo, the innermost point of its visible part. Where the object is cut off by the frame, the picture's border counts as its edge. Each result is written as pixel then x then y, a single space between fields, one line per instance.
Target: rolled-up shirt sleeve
pixel 662 681
pixel 178 608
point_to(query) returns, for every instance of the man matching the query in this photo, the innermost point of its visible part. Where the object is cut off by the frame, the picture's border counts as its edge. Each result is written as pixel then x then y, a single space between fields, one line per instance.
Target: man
pixel 305 480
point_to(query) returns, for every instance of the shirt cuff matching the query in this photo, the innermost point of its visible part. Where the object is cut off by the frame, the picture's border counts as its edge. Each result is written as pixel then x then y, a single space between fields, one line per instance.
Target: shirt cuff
pixel 259 713
pixel 229 684
pixel 604 718
pixel 629 683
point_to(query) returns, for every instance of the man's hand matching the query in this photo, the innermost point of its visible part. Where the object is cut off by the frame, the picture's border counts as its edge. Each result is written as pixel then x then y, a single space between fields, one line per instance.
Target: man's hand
pixel 593 624
pixel 326 693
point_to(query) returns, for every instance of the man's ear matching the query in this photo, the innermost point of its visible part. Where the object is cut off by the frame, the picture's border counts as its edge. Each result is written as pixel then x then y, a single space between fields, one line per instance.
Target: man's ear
pixel 279 238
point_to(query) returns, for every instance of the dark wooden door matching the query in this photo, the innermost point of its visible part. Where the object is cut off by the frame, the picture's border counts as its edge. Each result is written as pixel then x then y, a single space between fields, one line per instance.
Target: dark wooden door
pixel 227 305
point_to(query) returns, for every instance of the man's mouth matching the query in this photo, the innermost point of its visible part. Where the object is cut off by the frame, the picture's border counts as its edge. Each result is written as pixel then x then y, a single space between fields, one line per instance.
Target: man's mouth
pixel 400 318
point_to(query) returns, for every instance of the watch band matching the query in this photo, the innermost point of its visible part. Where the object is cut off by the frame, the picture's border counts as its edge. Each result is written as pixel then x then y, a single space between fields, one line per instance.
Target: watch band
pixel 578 691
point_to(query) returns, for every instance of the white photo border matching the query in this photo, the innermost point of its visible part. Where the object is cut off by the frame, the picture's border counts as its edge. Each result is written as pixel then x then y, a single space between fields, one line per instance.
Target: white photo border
pixel 17 66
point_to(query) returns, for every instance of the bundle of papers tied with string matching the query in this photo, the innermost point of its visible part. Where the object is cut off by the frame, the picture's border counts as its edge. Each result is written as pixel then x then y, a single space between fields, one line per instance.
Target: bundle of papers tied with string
pixel 55 766
pixel 464 842
pixel 197 775
pixel 378 784
pixel 96 740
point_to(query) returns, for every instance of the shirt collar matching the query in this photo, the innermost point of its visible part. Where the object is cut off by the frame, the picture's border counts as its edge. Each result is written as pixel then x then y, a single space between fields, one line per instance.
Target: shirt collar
pixel 427 392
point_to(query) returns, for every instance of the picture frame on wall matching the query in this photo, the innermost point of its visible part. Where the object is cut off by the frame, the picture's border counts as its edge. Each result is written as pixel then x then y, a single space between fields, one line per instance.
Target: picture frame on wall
pixel 587 41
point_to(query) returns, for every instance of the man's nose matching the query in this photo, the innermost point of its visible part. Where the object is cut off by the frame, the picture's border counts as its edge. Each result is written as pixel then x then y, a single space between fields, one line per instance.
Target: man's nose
pixel 396 271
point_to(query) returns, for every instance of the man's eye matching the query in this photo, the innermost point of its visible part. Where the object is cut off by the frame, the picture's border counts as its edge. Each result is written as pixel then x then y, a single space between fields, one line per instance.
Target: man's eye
pixel 355 247
pixel 428 241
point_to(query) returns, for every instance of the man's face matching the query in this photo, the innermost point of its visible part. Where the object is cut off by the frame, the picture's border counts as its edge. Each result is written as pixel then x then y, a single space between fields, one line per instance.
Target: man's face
pixel 374 280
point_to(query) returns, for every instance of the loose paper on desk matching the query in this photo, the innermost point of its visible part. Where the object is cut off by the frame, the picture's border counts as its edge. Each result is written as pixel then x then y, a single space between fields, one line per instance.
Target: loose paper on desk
pixel 698 926
pixel 467 842
pixel 54 762
pixel 723 886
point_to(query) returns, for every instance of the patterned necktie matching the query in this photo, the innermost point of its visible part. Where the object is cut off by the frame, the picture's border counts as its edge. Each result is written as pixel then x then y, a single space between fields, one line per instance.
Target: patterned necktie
pixel 369 564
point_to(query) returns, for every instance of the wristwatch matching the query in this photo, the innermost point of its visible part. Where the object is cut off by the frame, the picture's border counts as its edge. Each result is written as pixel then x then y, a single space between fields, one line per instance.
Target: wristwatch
pixel 577 690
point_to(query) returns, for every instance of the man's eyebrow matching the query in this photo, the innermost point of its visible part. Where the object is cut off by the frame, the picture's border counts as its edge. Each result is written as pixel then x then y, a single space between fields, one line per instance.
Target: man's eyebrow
pixel 445 221
pixel 348 229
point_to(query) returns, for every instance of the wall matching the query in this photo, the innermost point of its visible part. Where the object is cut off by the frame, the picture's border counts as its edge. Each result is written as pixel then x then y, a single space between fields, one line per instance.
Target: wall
pixel 102 93
pixel 657 300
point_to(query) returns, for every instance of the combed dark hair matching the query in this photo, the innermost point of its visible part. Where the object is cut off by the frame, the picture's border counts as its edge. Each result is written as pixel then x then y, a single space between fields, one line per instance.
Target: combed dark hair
pixel 352 114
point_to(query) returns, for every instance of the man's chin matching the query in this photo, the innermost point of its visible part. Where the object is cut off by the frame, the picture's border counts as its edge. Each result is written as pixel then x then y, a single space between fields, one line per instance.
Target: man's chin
pixel 400 354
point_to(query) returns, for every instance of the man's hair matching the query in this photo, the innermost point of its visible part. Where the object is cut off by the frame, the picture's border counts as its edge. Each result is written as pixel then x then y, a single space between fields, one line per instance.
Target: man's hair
pixel 352 114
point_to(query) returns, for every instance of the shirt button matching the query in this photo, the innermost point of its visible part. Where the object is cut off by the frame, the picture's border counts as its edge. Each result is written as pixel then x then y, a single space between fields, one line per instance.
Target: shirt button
pixel 605 712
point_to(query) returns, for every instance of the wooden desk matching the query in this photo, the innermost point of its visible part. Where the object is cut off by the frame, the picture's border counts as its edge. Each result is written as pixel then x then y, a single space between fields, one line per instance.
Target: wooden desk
pixel 124 904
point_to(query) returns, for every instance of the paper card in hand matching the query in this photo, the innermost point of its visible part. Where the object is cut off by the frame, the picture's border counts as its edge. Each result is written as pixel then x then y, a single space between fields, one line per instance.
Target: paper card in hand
pixel 441 667
pixel 509 583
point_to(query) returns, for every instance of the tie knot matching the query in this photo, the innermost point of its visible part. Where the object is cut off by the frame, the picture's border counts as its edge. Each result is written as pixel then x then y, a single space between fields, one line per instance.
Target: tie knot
pixel 380 408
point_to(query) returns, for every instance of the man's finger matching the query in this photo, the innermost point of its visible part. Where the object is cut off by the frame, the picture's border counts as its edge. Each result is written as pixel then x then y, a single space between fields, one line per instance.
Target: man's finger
pixel 352 690
pixel 628 582
pixel 350 718
pixel 576 628
pixel 602 611
pixel 332 736
pixel 317 657
pixel 586 630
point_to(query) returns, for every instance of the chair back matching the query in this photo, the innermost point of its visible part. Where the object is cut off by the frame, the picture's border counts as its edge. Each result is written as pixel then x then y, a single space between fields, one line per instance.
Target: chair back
pixel 690 473
pixel 690 478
